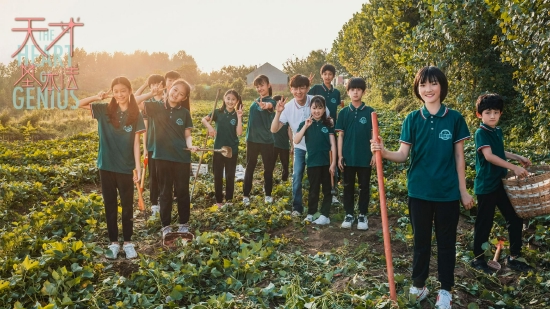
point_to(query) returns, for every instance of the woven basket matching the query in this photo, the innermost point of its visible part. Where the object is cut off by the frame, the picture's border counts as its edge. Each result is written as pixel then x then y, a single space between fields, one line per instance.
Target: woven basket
pixel 530 196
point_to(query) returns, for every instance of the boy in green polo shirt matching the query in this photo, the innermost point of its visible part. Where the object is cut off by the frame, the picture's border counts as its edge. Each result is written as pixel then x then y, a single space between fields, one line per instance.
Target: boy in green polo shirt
pixel 491 167
pixel 354 129
pixel 282 146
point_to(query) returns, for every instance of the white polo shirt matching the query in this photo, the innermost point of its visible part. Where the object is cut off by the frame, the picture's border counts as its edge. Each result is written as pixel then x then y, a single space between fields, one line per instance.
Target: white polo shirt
pixel 294 114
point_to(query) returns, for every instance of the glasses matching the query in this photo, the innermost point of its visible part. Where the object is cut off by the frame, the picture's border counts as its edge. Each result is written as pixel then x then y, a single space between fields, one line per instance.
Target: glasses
pixel 303 88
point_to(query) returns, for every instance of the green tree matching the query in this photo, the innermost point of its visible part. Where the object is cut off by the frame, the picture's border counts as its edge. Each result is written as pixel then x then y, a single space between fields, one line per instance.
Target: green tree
pixel 310 64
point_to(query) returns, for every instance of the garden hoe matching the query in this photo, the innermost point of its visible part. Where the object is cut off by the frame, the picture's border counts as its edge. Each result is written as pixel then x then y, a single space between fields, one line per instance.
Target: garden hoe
pixel 494 264
pixel 140 197
pixel 141 186
pixel 225 151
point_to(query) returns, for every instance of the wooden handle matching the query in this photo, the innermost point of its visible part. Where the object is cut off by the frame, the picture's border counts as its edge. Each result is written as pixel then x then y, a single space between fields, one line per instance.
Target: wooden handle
pixel 141 204
pixel 497 253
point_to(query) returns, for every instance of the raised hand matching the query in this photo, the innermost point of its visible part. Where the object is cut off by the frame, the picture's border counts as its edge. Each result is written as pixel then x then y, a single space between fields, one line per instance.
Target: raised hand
pixel 240 111
pixel 102 95
pixel 281 105
pixel 157 89
pixel 308 122
pixel 212 132
pixel 311 76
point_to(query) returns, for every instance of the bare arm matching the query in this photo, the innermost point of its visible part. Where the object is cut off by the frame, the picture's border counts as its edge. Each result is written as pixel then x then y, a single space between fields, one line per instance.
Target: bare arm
pixel 521 159
pixel 332 168
pixel 399 156
pixel 340 144
pixel 140 89
pixel 206 122
pixel 145 153
pixel 240 121
pixel 298 137
pixel 496 160
pixel 189 141
pixel 465 198
pixel 85 103
pixel 276 124
pixel 137 157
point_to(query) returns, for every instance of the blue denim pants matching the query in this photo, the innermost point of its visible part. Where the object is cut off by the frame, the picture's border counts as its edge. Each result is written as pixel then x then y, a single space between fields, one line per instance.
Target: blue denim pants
pixel 297 176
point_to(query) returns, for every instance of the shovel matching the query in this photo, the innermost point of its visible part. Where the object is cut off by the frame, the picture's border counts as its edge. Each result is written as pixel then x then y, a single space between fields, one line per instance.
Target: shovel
pixel 225 151
pixel 332 188
pixel 494 264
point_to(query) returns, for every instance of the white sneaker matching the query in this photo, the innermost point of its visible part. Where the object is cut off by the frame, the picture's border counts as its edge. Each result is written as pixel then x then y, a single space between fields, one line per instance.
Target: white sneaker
pixel 183 228
pixel 130 251
pixel 246 201
pixel 269 200
pixel 166 230
pixel 155 210
pixel 362 223
pixel 348 220
pixel 309 218
pixel 335 200
pixel 113 253
pixel 296 213
pixel 444 300
pixel 418 295
pixel 322 220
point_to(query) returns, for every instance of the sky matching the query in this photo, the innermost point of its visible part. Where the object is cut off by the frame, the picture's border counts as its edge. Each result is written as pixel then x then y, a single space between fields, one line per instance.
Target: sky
pixel 215 32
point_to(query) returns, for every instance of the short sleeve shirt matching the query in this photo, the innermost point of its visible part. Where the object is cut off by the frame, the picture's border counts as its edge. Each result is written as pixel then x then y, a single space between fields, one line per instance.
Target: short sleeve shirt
pixel 170 126
pixel 317 138
pixel 281 138
pixel 331 95
pixel 226 129
pixel 488 175
pixel 356 124
pixel 258 129
pixel 150 128
pixel 116 145
pixel 432 172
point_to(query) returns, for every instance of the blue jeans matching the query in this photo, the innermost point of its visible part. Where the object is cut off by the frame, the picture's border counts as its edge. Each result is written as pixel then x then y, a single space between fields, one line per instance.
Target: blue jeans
pixel 297 176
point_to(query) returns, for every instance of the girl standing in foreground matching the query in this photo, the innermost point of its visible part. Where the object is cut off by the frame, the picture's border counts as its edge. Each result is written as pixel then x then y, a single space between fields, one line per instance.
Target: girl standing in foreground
pixel 434 136
pixel 229 126
pixel 172 135
pixel 320 142
pixel 119 124
pixel 259 140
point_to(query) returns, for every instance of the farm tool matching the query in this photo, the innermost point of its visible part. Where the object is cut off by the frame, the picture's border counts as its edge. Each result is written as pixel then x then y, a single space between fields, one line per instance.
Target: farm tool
pixel 225 151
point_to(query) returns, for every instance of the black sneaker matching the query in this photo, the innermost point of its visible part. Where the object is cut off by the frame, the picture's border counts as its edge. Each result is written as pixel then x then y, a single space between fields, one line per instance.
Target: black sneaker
pixel 518 265
pixel 481 265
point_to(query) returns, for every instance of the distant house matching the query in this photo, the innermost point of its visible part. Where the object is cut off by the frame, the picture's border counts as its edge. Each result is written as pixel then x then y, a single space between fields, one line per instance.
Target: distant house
pixel 277 78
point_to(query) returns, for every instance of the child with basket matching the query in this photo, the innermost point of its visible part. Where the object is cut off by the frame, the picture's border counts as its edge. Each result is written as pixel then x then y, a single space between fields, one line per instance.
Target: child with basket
pixel 491 167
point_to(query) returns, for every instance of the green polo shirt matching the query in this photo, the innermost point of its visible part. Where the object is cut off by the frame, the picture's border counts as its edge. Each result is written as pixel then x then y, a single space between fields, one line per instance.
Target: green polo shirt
pixel 116 145
pixel 488 175
pixel 170 125
pixel 281 138
pixel 150 128
pixel 226 129
pixel 317 143
pixel 332 97
pixel 258 129
pixel 432 172
pixel 356 124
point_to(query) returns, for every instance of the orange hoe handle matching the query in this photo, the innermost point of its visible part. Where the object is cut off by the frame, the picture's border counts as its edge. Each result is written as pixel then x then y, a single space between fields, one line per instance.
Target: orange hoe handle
pixel 140 197
pixel 383 210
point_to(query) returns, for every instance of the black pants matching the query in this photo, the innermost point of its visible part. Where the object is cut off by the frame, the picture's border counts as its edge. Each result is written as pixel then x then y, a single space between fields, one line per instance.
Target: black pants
pixel 484 221
pixel 284 155
pixel 173 174
pixel 110 183
pixel 252 152
pixel 218 165
pixel 319 175
pixel 444 215
pixel 363 177
pixel 153 181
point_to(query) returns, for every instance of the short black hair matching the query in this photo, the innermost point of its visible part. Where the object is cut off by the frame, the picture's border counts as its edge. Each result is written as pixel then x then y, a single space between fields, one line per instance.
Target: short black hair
pixel 489 101
pixel 431 74
pixel 154 79
pixel 277 98
pixel 298 81
pixel 172 75
pixel 328 67
pixel 356 82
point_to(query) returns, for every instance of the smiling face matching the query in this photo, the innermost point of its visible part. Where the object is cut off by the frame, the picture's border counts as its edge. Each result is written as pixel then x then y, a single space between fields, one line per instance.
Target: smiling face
pixel 178 93
pixel 490 117
pixel 121 93
pixel 230 101
pixel 317 110
pixel 263 89
pixel 327 77
pixel 299 93
pixel 430 92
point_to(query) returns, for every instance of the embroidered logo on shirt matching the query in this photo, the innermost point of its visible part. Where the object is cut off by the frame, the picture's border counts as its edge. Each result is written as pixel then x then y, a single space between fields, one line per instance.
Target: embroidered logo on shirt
pixel 333 100
pixel 324 130
pixel 363 120
pixel 127 128
pixel 179 122
pixel 233 121
pixel 445 135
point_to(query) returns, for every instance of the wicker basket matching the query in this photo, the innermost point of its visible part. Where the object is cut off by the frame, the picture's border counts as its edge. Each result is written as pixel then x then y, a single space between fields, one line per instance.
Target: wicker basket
pixel 530 196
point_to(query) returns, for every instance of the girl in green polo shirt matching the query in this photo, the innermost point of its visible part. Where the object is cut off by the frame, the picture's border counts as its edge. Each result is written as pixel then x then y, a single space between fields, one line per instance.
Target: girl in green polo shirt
pixel 119 124
pixel 318 131
pixel 229 126
pixel 434 136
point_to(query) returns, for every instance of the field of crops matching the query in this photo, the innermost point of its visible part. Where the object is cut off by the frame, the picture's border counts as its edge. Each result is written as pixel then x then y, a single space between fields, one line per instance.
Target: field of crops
pixel 53 239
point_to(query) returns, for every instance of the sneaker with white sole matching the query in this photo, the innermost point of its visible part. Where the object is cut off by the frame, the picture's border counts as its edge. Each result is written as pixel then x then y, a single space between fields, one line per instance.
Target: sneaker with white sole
pixel 348 220
pixel 183 228
pixel 246 201
pixel 155 210
pixel 166 230
pixel 269 200
pixel 130 251
pixel 322 220
pixel 362 223
pixel 296 213
pixel 444 300
pixel 112 253
pixel 418 295
pixel 335 200
pixel 309 218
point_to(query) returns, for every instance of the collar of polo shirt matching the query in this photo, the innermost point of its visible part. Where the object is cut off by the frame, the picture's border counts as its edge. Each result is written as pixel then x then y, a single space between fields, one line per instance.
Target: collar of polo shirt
pixel 443 110
pixel 327 89
pixel 353 109
pixel 166 105
pixel 488 128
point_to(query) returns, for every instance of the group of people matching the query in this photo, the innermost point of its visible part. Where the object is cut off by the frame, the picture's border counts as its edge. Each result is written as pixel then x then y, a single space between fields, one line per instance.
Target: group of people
pixel 328 143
